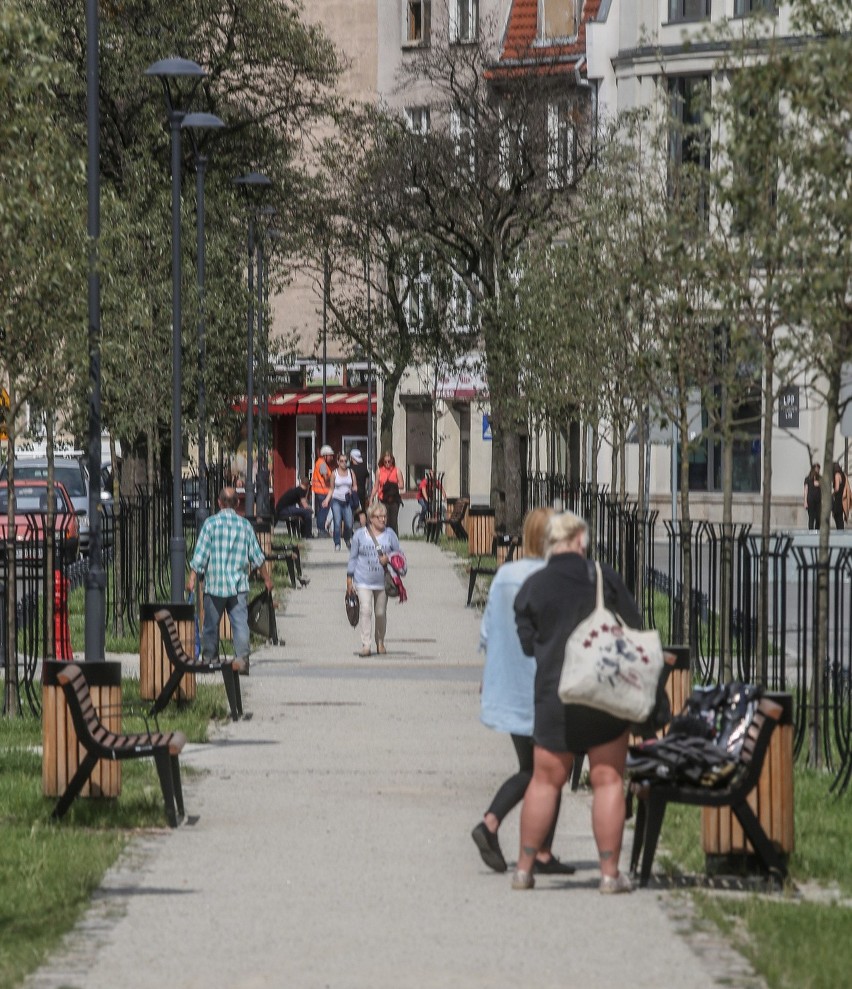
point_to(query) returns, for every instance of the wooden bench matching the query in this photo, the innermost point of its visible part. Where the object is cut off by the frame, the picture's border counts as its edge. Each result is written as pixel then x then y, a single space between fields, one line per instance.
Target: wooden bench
pixel 654 797
pixel 101 743
pixel 182 663
pixel 455 520
pixel 503 550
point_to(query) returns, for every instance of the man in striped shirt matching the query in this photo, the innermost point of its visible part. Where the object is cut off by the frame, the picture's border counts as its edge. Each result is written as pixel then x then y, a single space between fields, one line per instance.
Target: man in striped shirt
pixel 226 552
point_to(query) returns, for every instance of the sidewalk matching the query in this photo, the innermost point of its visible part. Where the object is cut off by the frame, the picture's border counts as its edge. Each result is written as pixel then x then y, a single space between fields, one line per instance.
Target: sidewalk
pixel 329 836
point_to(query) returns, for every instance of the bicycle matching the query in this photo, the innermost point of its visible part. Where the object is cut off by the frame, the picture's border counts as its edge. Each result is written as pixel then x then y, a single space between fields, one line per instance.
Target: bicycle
pixel 418 523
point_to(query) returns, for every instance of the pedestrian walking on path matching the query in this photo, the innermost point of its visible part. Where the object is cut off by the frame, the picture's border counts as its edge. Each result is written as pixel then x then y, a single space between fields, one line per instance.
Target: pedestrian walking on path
pixel 508 686
pixel 226 552
pixel 548 608
pixel 372 546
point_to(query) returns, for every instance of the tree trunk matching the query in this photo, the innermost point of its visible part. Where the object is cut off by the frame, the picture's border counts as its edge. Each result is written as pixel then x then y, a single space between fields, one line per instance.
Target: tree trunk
pixel 117 568
pixel 762 643
pixel 727 558
pixel 685 534
pixel 150 482
pixel 11 697
pixel 392 380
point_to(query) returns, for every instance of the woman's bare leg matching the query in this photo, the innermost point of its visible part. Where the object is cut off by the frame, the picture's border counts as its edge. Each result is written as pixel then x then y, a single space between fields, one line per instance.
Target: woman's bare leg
pixel 550 772
pixel 606 772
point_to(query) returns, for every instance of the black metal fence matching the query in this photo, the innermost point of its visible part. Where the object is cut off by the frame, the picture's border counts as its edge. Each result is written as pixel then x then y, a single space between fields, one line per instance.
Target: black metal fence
pixel 719 649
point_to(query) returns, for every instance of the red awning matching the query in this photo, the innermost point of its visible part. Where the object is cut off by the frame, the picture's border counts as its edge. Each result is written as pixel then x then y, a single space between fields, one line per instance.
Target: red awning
pixel 351 403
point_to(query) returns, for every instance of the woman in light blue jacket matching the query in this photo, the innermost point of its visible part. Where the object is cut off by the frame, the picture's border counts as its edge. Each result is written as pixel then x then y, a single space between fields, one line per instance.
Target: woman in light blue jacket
pixel 507 694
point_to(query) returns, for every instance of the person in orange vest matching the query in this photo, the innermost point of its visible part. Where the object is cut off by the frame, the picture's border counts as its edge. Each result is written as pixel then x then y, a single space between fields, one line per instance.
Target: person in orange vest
pixel 321 485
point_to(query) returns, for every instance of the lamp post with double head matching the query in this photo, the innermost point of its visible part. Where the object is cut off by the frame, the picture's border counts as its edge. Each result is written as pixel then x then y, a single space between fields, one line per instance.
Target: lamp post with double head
pixel 175 73
pixel 194 123
pixel 252 183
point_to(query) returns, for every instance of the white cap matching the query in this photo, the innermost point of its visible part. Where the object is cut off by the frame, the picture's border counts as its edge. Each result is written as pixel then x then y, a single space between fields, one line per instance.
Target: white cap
pixel 326 451
pixel 355 457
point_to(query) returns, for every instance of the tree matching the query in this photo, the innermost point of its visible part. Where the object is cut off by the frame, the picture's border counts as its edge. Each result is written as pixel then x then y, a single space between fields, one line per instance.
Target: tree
pixel 41 194
pixel 487 183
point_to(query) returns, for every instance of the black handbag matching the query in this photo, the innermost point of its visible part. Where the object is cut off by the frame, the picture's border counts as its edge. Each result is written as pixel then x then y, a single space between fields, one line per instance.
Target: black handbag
pixel 353 608
pixel 261 617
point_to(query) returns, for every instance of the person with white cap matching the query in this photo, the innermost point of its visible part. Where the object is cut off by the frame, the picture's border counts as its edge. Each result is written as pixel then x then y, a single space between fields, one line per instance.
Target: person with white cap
pixel 321 485
pixel 362 479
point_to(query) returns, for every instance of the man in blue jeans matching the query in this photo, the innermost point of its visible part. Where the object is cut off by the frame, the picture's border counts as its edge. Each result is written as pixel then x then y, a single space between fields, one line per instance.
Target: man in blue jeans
pixel 226 552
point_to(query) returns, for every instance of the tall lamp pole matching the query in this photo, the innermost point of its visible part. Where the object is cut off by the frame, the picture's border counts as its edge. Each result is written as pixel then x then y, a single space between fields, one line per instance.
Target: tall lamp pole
pixel 95 630
pixel 253 180
pixel 170 72
pixel 194 122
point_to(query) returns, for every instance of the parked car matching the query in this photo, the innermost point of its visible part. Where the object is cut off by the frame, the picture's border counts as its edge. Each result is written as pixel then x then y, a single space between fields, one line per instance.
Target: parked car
pixel 72 474
pixel 31 515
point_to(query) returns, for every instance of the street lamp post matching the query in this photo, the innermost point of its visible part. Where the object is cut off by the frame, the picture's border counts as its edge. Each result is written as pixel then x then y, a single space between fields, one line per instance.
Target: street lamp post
pixel 194 122
pixel 253 180
pixel 170 71
pixel 95 629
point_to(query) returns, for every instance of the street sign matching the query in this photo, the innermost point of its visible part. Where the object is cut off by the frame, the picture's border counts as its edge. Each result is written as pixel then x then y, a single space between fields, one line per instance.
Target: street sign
pixel 486 427
pixel 788 407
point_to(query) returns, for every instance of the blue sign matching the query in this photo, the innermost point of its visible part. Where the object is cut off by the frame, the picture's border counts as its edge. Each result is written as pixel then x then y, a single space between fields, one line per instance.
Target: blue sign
pixel 486 427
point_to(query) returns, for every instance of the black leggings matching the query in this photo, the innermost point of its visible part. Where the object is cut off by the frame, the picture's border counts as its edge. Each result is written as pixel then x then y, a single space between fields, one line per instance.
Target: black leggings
pixel 511 793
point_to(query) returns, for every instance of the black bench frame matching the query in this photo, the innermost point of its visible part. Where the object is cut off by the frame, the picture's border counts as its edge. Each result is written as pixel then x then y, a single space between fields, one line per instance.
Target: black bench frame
pixel 455 520
pixel 182 662
pixel 486 564
pixel 654 799
pixel 288 553
pixel 101 743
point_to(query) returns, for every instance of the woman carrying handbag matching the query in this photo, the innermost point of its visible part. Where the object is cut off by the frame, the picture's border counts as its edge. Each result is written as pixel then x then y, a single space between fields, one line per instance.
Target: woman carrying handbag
pixel 372 547
pixel 549 606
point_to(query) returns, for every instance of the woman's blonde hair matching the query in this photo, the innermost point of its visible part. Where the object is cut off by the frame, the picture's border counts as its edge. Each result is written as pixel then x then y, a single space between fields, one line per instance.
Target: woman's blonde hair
pixel 377 508
pixel 564 527
pixel 535 525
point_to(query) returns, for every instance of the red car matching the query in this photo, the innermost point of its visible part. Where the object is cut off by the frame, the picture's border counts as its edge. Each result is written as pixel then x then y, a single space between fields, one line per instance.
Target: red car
pixel 31 515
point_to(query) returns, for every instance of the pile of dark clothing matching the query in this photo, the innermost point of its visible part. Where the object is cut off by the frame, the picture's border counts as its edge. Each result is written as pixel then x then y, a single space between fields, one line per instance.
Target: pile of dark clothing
pixel 703 743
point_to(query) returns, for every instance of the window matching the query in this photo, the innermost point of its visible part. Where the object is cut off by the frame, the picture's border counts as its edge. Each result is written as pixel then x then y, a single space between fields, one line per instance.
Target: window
pixel 744 7
pixel 557 18
pixel 512 150
pixel 689 141
pixel 705 457
pixel 561 146
pixel 462 123
pixel 689 10
pixel 464 20
pixel 417 22
pixel 417 288
pixel 417 118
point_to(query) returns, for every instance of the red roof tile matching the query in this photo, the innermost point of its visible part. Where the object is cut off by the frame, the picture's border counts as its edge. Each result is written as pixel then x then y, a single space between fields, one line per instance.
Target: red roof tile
pixel 522 33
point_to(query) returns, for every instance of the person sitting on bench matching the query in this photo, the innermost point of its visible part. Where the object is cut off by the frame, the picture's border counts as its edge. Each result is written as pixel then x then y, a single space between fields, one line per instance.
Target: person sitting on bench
pixel 294 504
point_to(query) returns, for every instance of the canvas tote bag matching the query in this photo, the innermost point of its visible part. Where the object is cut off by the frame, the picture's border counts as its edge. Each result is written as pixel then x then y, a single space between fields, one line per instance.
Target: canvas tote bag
pixel 611 667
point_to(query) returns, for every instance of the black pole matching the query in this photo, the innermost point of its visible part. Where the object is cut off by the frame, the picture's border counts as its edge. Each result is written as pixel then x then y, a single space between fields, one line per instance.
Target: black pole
pixel 369 361
pixel 249 485
pixel 203 510
pixel 325 277
pixel 260 502
pixel 95 631
pixel 177 546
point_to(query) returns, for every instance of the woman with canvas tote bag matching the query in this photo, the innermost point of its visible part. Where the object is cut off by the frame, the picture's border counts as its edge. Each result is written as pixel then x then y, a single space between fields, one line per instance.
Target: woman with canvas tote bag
pixel 548 608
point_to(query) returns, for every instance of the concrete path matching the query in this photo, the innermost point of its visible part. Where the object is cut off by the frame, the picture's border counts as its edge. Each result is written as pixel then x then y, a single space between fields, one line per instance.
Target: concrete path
pixel 329 838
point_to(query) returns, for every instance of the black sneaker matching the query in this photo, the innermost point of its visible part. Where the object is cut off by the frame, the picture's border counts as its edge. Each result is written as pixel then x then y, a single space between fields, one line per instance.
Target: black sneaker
pixel 489 847
pixel 553 867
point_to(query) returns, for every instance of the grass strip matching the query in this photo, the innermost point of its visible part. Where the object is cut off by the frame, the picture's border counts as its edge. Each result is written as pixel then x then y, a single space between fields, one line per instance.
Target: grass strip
pixel 49 871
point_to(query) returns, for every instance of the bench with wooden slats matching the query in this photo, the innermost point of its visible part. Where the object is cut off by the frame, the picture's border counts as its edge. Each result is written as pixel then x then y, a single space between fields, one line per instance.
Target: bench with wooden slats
pixel 101 743
pixel 655 797
pixel 455 521
pixel 182 663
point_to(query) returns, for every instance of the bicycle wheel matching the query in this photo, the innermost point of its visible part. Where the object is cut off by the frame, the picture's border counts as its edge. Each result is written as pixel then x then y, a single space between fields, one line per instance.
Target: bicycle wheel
pixel 418 527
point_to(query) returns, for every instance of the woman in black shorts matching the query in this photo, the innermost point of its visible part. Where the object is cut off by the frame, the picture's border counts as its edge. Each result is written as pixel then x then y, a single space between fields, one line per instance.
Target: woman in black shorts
pixel 549 606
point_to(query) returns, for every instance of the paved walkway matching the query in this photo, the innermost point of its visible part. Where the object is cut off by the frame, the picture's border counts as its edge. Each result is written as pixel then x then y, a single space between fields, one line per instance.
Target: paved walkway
pixel 328 843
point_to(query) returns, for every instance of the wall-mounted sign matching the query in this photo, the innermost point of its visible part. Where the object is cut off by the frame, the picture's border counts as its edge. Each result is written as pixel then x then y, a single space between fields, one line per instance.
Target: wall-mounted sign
pixel 788 407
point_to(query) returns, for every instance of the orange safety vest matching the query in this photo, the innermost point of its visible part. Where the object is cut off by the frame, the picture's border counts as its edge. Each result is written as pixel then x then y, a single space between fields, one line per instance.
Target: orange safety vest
pixel 319 484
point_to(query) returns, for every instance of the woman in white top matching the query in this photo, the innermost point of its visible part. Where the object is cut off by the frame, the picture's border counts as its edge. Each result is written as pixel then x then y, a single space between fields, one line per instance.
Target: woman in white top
pixel 340 499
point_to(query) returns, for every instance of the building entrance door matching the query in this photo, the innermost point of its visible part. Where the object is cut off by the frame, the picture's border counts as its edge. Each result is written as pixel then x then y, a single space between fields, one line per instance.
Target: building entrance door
pixel 306 435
